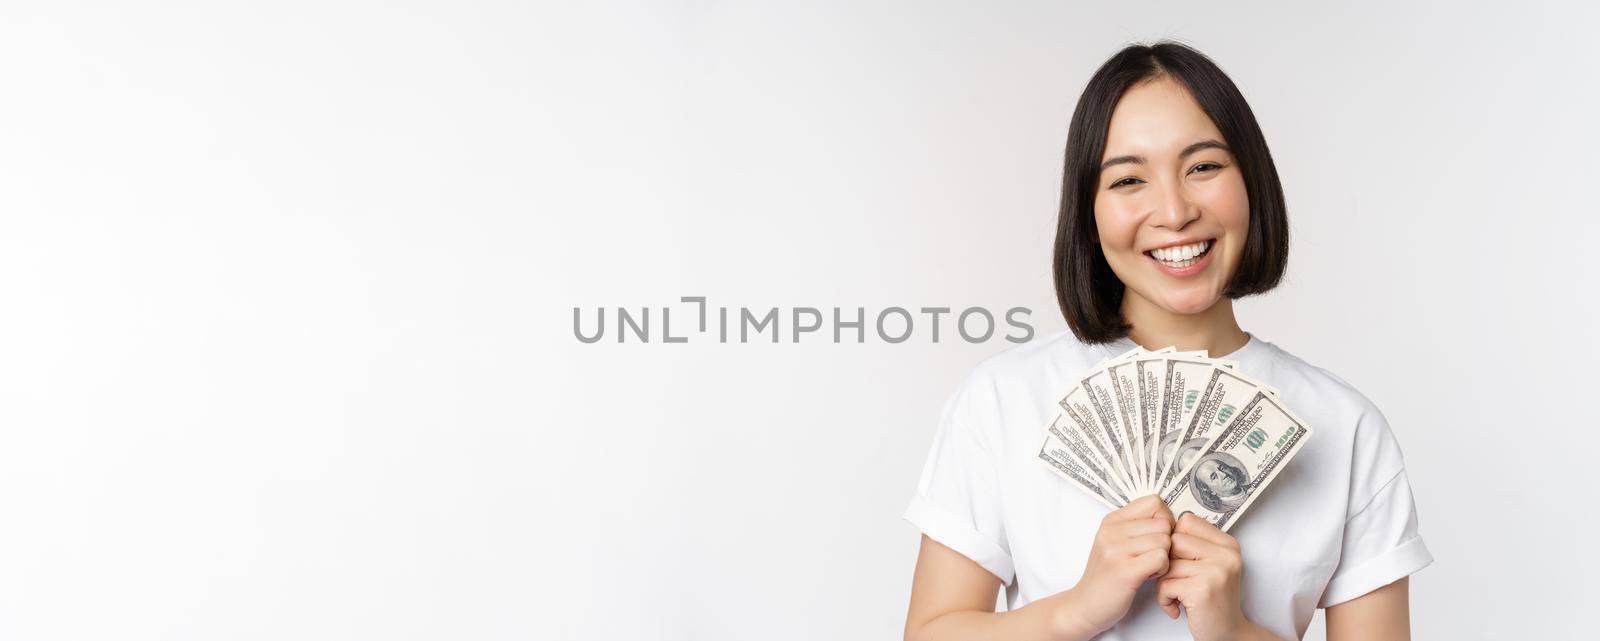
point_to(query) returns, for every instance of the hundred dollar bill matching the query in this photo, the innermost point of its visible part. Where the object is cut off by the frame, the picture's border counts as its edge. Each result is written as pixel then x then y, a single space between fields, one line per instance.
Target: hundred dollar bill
pixel 1079 444
pixel 1147 374
pixel 1238 463
pixel 1115 401
pixel 1182 383
pixel 1102 393
pixel 1056 457
pixel 1225 392
pixel 1079 408
pixel 1143 404
pixel 1123 376
pixel 1103 400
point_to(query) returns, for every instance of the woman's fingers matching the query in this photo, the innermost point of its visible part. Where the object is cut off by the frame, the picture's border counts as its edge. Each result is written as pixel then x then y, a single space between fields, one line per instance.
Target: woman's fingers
pixel 1189 546
pixel 1141 508
pixel 1151 564
pixel 1141 544
pixel 1164 513
pixel 1139 527
pixel 1183 568
pixel 1191 524
pixel 1170 592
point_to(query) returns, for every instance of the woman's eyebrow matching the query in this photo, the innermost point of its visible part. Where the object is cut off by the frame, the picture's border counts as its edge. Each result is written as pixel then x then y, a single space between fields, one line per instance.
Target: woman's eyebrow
pixel 1209 143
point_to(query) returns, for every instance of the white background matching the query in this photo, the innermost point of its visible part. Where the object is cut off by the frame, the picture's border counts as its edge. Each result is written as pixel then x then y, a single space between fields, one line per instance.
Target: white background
pixel 286 348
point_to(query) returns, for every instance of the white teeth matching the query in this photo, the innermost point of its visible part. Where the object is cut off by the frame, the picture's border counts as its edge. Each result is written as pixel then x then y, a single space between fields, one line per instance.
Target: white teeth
pixel 1180 256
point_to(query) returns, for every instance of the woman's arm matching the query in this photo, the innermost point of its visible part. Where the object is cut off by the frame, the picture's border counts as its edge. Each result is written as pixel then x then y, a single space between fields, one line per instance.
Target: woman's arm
pixel 1383 614
pixel 952 597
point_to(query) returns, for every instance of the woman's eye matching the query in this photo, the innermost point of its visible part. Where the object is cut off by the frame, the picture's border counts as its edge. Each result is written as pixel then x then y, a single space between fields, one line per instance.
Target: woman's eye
pixel 1205 166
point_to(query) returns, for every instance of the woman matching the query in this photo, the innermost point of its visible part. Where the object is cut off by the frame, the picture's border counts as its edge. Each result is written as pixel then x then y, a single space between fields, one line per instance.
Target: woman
pixel 1171 209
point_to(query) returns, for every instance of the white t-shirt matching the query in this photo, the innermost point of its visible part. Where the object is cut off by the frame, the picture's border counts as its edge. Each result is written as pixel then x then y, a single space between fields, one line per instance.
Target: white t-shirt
pixel 1338 522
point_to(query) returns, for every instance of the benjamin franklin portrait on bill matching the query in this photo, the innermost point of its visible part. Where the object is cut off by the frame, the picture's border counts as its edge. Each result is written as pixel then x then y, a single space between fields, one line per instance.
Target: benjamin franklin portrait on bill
pixel 1219 481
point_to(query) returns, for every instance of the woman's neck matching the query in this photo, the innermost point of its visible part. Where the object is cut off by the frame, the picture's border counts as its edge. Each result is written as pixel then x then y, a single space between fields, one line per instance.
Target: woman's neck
pixel 1214 330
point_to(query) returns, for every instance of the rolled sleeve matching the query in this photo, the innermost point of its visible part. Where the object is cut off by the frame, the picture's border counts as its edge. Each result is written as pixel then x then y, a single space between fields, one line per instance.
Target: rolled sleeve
pixel 957 502
pixel 954 532
pixel 1381 545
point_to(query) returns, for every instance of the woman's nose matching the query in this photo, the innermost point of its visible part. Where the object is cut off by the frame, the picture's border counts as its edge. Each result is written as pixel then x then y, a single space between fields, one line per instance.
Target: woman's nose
pixel 1176 210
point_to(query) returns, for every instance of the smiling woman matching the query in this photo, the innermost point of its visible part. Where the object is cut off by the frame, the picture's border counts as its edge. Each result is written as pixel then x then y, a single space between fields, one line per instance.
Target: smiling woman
pixel 1171 208
pixel 1146 156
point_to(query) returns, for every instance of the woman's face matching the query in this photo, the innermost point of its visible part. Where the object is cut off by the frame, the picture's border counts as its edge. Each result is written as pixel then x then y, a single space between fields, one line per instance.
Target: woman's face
pixel 1158 209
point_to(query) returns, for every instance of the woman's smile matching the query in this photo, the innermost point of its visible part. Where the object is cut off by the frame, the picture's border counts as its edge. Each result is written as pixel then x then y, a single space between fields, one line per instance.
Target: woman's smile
pixel 1182 260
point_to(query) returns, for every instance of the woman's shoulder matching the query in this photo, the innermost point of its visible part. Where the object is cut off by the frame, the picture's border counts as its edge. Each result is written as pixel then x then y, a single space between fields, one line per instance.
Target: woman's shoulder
pixel 1007 395
pixel 1287 369
pixel 1041 357
pixel 1352 439
pixel 1031 374
pixel 1319 394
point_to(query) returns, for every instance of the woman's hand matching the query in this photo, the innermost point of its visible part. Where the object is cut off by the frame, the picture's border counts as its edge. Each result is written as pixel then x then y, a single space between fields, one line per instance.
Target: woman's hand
pixel 1204 577
pixel 1130 548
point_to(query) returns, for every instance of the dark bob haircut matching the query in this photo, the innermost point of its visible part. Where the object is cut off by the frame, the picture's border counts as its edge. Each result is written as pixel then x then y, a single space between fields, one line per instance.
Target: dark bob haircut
pixel 1089 293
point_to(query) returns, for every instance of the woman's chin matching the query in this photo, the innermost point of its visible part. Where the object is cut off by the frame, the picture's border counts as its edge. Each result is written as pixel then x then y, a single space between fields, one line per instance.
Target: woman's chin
pixel 1190 304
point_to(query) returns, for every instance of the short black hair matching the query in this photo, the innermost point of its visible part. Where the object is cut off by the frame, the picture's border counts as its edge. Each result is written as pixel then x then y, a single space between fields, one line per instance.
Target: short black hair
pixel 1089 293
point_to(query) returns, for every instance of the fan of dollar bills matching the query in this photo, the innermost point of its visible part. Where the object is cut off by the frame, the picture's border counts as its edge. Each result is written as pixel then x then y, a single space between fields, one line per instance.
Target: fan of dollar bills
pixel 1191 429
